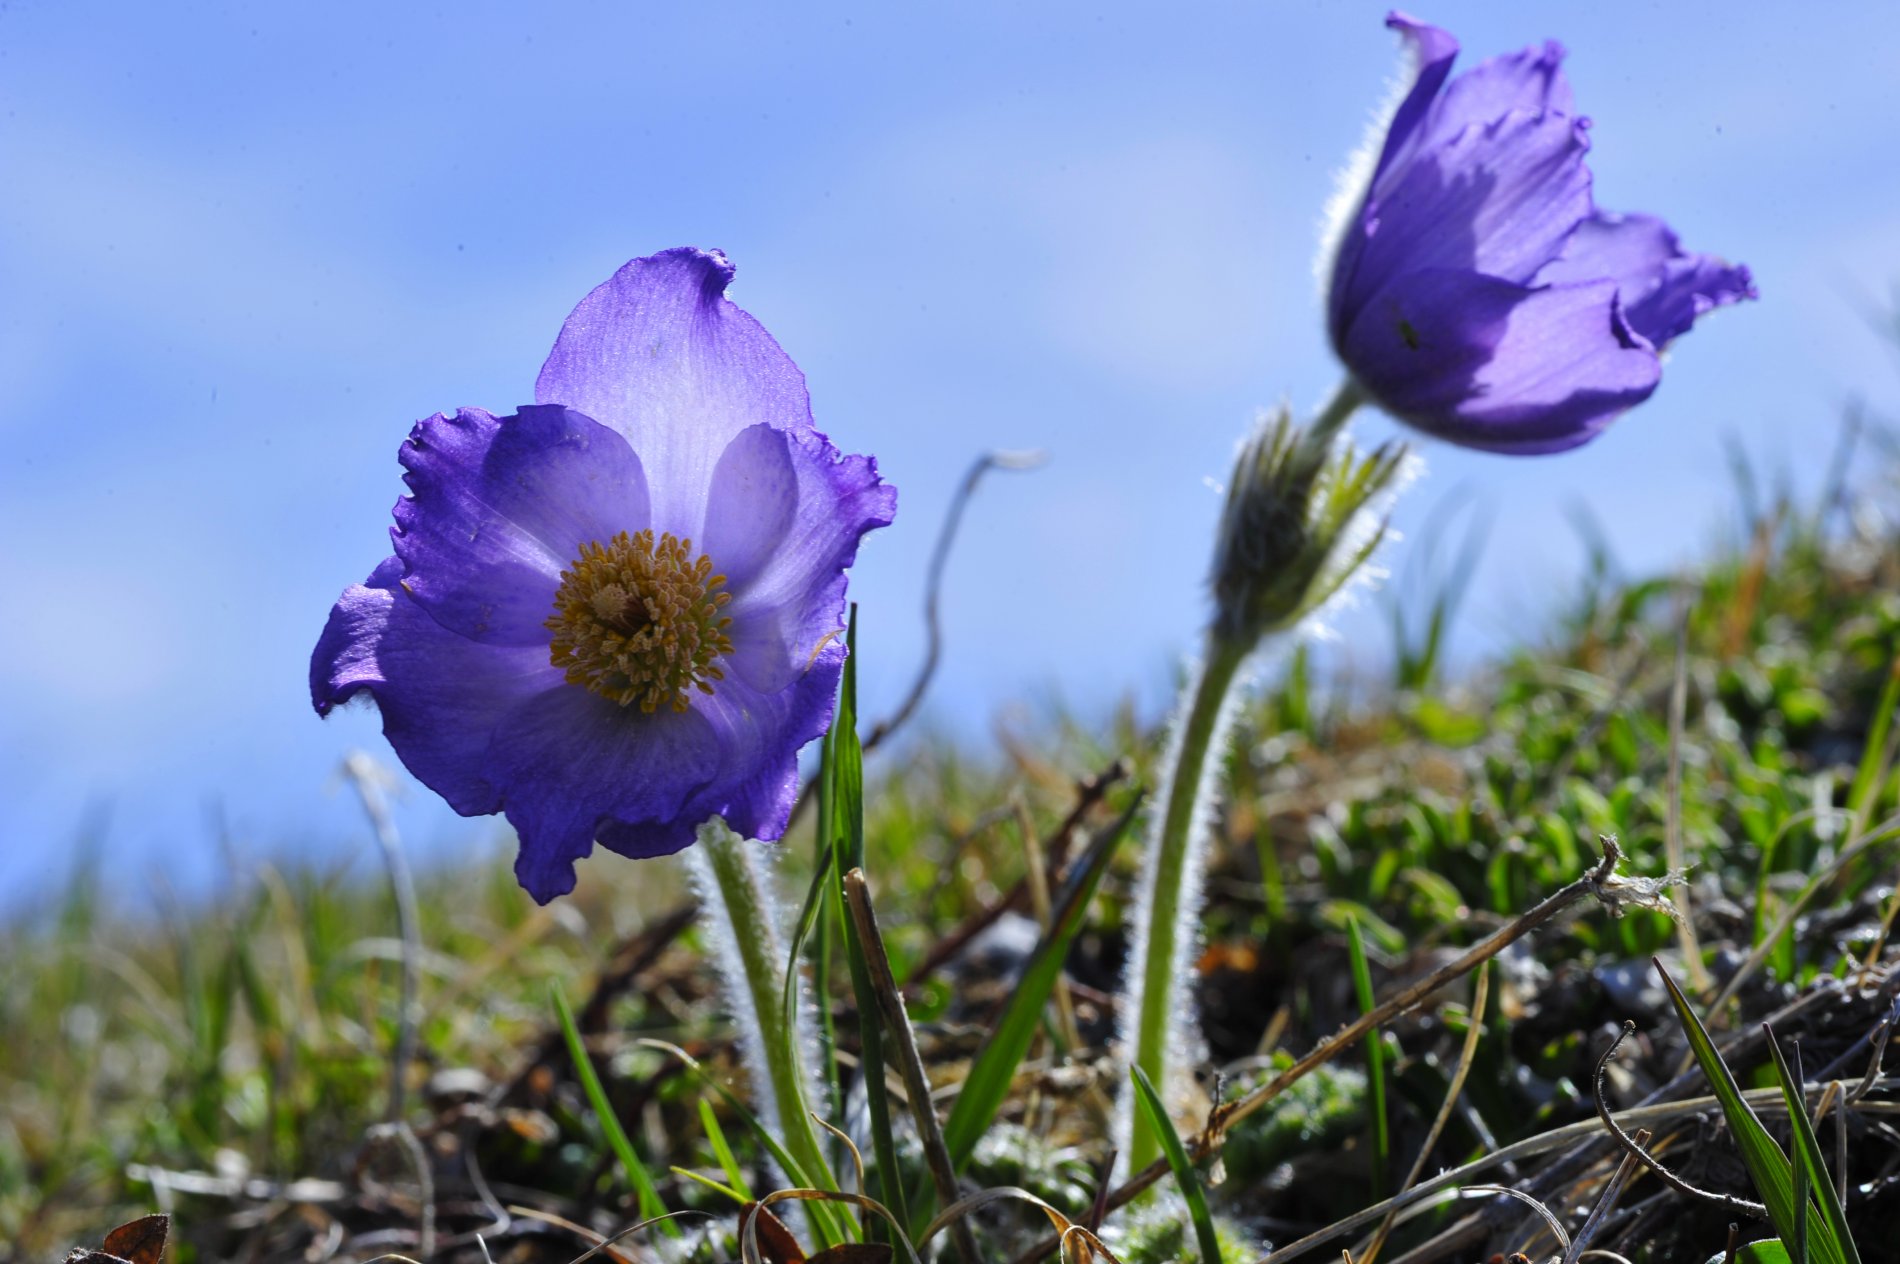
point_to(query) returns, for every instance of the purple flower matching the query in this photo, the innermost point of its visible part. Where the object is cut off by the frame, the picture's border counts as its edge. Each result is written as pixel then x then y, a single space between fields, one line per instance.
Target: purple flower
pixel 617 612
pixel 1477 292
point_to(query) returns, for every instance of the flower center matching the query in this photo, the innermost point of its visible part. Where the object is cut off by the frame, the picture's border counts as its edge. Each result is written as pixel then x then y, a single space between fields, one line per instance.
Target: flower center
pixel 638 621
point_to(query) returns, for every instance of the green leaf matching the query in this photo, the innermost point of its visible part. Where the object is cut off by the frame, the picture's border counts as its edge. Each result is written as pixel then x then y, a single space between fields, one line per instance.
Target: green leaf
pixel 987 1085
pixel 716 1137
pixel 1767 1166
pixel 819 904
pixel 1808 1151
pixel 1341 914
pixel 687 1174
pixel 1802 1203
pixel 1867 775
pixel 1375 1062
pixel 1445 725
pixel 1179 1163
pixel 1765 1251
pixel 825 1215
pixel 843 769
pixel 650 1204
pixel 814 900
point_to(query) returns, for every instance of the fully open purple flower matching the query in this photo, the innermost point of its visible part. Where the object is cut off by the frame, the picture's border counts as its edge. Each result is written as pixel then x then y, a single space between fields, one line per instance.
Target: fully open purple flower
pixel 1477 292
pixel 616 613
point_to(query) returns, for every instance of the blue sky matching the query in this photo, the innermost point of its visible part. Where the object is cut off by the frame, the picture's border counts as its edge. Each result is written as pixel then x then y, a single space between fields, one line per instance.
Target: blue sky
pixel 242 247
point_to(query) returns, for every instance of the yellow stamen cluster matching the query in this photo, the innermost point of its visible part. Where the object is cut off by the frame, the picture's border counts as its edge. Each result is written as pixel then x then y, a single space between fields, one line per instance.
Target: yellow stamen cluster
pixel 638 621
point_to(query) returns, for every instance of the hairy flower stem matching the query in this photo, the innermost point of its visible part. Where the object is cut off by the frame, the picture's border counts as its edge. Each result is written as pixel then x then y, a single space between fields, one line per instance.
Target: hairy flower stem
pixel 752 961
pixel 1169 896
pixel 1344 403
pixel 1161 917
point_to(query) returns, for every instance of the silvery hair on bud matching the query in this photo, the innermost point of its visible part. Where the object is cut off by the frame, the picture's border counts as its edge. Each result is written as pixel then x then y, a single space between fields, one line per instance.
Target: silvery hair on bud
pixel 1263 554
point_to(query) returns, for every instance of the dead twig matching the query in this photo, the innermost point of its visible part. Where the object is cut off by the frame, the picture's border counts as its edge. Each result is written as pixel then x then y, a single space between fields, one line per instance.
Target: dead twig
pixel 1624 1174
pixel 1473 1030
pixel 910 1064
pixel 369 778
pixel 1858 845
pixel 933 625
pixel 404 1138
pixel 634 956
pixel 1089 791
pixel 1601 882
pixel 933 585
pixel 1762 1100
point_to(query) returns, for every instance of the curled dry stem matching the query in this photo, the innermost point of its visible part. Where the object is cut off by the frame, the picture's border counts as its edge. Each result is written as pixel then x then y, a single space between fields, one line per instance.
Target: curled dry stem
pixel 933 583
pixel 1882 1034
pixel 1074 1241
pixel 403 1137
pixel 844 1138
pixel 1630 1146
pixel 933 624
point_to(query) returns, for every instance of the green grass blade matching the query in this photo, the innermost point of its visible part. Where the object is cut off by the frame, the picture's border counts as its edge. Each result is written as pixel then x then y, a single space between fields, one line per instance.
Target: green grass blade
pixel 1781 958
pixel 1767 1166
pixel 844 769
pixel 1179 1163
pixel 826 1217
pixel 820 906
pixel 1868 774
pixel 687 1174
pixel 1375 1062
pixel 1799 1248
pixel 617 1139
pixel 1808 1152
pixel 995 1066
pixel 716 1137
pixel 808 914
pixel 1296 694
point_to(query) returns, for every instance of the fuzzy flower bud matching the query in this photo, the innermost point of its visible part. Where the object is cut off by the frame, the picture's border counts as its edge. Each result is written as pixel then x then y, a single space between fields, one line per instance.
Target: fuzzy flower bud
pixel 1295 526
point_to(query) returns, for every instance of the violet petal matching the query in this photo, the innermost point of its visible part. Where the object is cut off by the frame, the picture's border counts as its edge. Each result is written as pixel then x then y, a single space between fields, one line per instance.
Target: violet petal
pixel 1502 367
pixel 758 735
pixel 751 505
pixel 568 760
pixel 451 636
pixel 1500 198
pixel 659 353
pixel 1530 81
pixel 1432 51
pixel 1476 292
pixel 1663 287
pixel 499 505
pixel 782 617
pixel 442 696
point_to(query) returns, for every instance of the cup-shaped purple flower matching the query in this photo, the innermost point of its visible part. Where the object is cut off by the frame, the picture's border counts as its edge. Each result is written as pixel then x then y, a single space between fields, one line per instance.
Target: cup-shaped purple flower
pixel 1476 291
pixel 616 613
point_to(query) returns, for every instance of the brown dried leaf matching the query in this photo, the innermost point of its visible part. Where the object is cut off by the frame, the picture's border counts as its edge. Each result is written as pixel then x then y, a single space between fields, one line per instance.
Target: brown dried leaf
pixel 141 1241
pixel 854 1253
pixel 776 1242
